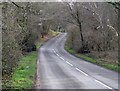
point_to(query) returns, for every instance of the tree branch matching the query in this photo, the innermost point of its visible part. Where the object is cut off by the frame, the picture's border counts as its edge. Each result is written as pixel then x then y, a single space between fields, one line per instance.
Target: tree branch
pixel 115 4
pixel 16 4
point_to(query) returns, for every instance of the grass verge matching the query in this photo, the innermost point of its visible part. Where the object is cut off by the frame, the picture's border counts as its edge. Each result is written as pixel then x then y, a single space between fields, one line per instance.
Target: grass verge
pixel 114 67
pixel 24 74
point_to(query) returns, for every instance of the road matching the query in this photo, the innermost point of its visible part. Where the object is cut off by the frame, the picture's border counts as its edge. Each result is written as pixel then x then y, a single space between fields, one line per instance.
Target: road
pixel 57 69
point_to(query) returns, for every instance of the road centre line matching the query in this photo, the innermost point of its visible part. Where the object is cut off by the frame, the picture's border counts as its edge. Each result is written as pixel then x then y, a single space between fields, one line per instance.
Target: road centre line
pixel 54 51
pixel 69 63
pixel 103 84
pixel 81 71
pixel 57 54
pixel 62 58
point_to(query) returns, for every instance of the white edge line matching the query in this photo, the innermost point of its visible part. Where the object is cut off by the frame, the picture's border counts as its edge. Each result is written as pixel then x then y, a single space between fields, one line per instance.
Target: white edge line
pixel 103 84
pixel 69 63
pixel 81 71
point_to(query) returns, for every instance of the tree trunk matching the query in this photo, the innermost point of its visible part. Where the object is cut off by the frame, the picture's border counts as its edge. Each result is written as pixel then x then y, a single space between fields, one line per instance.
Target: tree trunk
pixel 72 40
pixel 82 49
pixel 81 35
pixel 82 39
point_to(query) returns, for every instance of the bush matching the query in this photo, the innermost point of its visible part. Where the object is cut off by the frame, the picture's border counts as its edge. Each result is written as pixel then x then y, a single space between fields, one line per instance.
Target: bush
pixel 17 36
pixel 84 50
pixel 34 47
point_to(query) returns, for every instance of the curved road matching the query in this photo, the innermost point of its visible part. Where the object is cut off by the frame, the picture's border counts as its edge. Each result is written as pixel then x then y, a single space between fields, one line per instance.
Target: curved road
pixel 57 69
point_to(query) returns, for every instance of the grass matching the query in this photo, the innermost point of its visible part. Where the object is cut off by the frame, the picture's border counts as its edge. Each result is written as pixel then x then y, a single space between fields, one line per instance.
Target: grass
pixel 52 33
pixel 39 44
pixel 24 75
pixel 114 67
pixel 86 58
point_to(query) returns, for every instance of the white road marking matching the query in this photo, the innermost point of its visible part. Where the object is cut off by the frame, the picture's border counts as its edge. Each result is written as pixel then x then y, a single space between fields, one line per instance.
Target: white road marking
pixel 81 71
pixel 54 51
pixel 103 84
pixel 69 63
pixel 57 54
pixel 61 58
